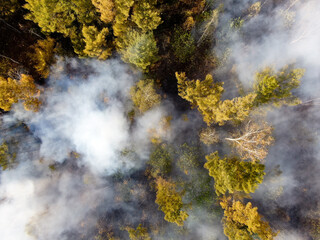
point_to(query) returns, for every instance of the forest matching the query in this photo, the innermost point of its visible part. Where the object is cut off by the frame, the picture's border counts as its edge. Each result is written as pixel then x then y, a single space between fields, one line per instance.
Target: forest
pixel 159 119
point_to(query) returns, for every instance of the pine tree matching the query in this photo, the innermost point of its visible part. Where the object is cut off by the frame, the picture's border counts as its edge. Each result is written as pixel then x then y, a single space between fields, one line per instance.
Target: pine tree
pixel 170 202
pixel 231 174
pixel 106 9
pixel 95 42
pixel 146 15
pixel 241 221
pixel 122 14
pixel 43 56
pixel 12 91
pixel 276 87
pixel 139 49
pixel 144 95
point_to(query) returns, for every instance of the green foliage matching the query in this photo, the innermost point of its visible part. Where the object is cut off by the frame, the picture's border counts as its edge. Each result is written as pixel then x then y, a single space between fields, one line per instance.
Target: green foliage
pixel 7 160
pixel 106 9
pixel 146 15
pixel 144 95
pixel 160 162
pixel 237 109
pixel 96 43
pixel 141 233
pixel 272 87
pixel 243 222
pixel 237 23
pixel 121 19
pixel 183 45
pixel 43 56
pixel 206 96
pixel 231 174
pixel 170 202
pixel 63 16
pixel 137 48
pixel 188 159
pixel 12 91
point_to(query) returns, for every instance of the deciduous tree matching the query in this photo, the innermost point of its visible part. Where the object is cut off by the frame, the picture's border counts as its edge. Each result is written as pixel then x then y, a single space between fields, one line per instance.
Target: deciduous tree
pixel 209 136
pixel 231 174
pixel 144 95
pixel 252 141
pixel 140 233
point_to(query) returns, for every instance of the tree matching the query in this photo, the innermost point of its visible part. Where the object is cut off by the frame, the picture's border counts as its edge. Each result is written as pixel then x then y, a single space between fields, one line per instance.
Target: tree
pixel 209 136
pixel 206 96
pixel 140 233
pixel 160 162
pixel 241 221
pixel 188 159
pixel 12 91
pixel 253 141
pixel 276 87
pixel 146 15
pixel 144 95
pixel 170 202
pixel 8 7
pixel 7 161
pixel 137 48
pixel 231 174
pixel 106 8
pixel 183 45
pixel 43 56
pixel 96 43
pixel 121 19
pixel 201 94
pixel 236 109
pixel 63 16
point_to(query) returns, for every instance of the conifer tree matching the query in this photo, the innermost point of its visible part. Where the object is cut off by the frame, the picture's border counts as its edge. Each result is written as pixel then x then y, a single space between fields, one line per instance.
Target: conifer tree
pixel 12 91
pixel 146 15
pixel 106 9
pixel 42 56
pixel 170 202
pixel 121 19
pixel 276 88
pixel 242 222
pixel 139 49
pixel 95 42
pixel 206 96
pixel 144 95
pixel 231 174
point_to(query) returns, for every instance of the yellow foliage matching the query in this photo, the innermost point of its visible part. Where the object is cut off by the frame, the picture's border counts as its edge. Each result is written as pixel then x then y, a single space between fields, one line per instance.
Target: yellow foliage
pixel 170 202
pixel 106 9
pixel 12 91
pixel 241 221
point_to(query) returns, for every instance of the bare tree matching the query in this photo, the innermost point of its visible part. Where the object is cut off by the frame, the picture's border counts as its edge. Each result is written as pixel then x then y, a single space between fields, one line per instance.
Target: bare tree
pixel 253 141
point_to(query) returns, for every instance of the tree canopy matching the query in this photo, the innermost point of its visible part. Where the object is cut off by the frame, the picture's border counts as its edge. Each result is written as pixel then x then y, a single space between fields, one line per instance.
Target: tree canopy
pixel 231 174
